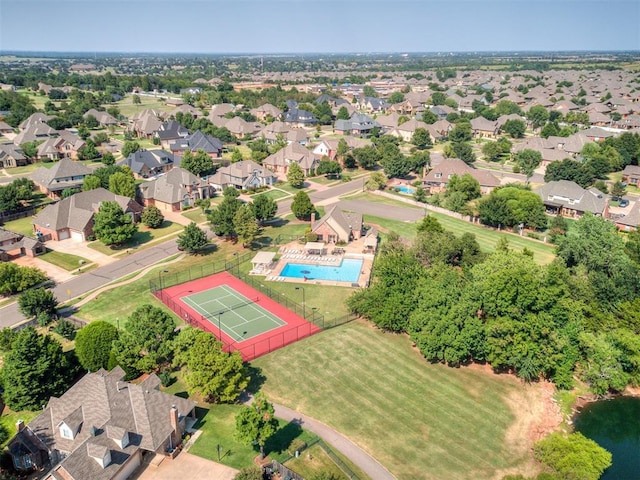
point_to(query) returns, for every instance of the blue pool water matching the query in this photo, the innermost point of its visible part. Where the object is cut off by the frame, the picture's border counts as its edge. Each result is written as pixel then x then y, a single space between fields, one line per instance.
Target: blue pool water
pixel 405 189
pixel 347 271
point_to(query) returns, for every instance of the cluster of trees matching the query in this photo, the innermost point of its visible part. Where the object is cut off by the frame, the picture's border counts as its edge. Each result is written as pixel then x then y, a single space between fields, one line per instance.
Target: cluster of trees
pixel 574 317
pixel 114 178
pixel 199 164
pixel 235 219
pixel 15 278
pixel 15 195
pixel 386 152
pixel 494 151
pixel 19 106
pixel 512 205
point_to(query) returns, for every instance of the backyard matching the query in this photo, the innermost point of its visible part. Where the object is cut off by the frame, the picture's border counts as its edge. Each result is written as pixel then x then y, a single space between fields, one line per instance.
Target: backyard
pixel 420 420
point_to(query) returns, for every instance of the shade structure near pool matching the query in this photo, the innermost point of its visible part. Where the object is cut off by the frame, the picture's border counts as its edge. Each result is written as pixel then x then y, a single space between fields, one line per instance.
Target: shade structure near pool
pixel 241 317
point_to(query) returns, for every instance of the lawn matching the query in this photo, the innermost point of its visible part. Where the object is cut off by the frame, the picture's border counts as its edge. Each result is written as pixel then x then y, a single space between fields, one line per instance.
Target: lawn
pixel 64 260
pixel 195 215
pixel 128 108
pixel 420 420
pixel 276 194
pixel 10 418
pixel 23 226
pixel 143 237
pixel 315 460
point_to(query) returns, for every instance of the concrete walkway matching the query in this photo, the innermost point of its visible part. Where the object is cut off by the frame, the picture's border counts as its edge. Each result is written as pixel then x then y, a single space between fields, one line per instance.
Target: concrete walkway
pixel 185 466
pixel 354 453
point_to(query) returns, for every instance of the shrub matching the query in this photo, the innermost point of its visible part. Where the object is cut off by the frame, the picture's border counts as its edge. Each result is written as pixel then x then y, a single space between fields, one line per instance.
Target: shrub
pixel 65 329
pixel 152 216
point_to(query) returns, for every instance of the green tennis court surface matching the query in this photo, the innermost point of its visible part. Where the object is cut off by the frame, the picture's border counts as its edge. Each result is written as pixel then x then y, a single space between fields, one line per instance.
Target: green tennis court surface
pixel 240 317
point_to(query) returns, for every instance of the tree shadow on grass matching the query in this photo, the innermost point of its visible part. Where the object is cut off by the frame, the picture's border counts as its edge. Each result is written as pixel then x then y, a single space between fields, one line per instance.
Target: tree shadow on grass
pixel 257 379
pixel 201 414
pixel 280 441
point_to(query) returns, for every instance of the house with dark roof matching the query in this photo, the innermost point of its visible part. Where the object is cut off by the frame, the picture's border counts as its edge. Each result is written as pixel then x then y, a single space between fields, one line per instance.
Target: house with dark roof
pixel 11 156
pixel 100 429
pixel 148 163
pixel 212 146
pixel 631 220
pixel 566 198
pixel 631 175
pixel 245 174
pixel 359 124
pixel 299 118
pixel 437 178
pixel 178 188
pixel 169 132
pixel 338 226
pixel 64 174
pixel 481 127
pixel 72 217
pixel 14 245
pixel 372 104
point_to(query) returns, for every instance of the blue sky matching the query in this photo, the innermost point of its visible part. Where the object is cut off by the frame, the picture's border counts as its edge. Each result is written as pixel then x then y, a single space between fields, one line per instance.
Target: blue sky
pixel 302 26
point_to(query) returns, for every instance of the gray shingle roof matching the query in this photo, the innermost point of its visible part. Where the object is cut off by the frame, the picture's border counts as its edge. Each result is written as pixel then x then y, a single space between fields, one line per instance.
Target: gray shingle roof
pixel 151 159
pixel 571 195
pixel 65 173
pixel 170 188
pixel 198 141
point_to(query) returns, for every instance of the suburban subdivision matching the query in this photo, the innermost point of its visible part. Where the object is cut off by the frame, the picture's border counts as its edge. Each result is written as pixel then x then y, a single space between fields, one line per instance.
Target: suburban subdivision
pixel 319 266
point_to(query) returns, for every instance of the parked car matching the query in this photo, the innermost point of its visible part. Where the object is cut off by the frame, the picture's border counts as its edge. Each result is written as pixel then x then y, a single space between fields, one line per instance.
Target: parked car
pixel 624 202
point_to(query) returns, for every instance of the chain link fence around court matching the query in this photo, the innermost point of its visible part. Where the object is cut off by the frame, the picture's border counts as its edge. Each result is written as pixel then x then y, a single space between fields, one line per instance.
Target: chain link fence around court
pixel 263 345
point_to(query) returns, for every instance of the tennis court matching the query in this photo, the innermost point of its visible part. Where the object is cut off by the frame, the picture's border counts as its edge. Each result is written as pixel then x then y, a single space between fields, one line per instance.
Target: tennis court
pixel 238 316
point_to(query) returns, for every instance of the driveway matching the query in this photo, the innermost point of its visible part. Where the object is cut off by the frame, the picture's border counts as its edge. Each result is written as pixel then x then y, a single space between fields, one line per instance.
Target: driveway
pixel 186 465
pixel 76 247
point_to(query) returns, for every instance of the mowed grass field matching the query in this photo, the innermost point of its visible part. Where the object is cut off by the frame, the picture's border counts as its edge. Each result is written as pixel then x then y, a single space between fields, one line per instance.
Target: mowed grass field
pixel 420 420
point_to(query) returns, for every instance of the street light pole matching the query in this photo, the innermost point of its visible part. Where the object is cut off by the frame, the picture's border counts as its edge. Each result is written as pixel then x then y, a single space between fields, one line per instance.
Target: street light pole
pixel 219 329
pixel 304 308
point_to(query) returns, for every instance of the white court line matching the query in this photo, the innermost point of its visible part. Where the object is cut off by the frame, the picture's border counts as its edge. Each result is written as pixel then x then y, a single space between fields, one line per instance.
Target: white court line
pixel 260 310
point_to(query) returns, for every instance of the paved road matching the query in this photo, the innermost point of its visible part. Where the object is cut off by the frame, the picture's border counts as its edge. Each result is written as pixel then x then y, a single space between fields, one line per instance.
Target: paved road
pixel 86 282
pixel 404 213
pixel 316 197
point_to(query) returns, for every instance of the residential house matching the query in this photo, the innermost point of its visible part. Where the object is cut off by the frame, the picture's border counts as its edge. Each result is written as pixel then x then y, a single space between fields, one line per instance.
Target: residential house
pixel 101 428
pixel 66 145
pixel 221 109
pixel 631 175
pixel 372 104
pixel 169 132
pixel 437 178
pixel 6 130
pixel 11 156
pixel 566 198
pixel 299 118
pixel 338 225
pixel 34 119
pixel 406 130
pixel 239 127
pixel 14 245
pixel 104 119
pixel 441 111
pixel 631 220
pixel 359 124
pixel 178 188
pixel 242 175
pixel 595 134
pixel 388 122
pixel 64 174
pixel 293 153
pixel 36 132
pixel 187 109
pixel 266 111
pixel 328 147
pixel 198 141
pixel 146 123
pixel 439 130
pixel 148 163
pixel 481 127
pixel 72 217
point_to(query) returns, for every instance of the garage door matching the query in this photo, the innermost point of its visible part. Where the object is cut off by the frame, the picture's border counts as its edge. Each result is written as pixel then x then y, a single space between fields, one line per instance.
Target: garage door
pixel 63 235
pixel 77 236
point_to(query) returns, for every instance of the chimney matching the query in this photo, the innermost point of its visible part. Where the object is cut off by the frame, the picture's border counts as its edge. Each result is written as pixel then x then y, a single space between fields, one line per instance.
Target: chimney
pixel 176 435
pixel 20 425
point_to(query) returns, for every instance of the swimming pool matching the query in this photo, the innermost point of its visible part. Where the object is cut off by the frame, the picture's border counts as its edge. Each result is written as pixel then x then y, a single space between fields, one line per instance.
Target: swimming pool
pixel 347 271
pixel 405 189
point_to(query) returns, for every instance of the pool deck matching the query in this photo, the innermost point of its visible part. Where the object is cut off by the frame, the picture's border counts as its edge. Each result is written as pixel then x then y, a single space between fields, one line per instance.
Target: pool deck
pixel 294 253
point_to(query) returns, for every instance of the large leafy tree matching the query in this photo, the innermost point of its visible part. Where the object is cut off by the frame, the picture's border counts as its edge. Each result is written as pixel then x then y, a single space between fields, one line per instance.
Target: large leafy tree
pixel 302 207
pixel 367 157
pixel 152 216
pixel 265 208
pixel 145 342
pixel 295 175
pixel 256 424
pixel 130 147
pixel 93 345
pixel 112 226
pixel 245 225
pixel 123 184
pixel 510 206
pixel 514 127
pixel 538 116
pixel 569 169
pixel 221 218
pixel 464 152
pixel 199 163
pixel 192 239
pixel 38 302
pixel 209 371
pixel 573 457
pixel 15 278
pixel 528 160
pixel 91 182
pixel 421 138
pixel 34 370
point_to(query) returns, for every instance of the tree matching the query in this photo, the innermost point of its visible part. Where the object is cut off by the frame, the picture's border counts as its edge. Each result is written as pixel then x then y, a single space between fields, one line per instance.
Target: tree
pixel 88 151
pixel 136 99
pixel 438 98
pixel 376 181
pixel 249 473
pixel 342 151
pixel 369 91
pixel 295 175
pixel 461 132
pixel 130 147
pixel 256 423
pixel 328 167
pixel 69 192
pixel 551 129
pixel 244 223
pixel 93 345
pixel 145 342
pixel 396 97
pixel 221 218
pixel 208 370
pixel 464 152
pixel 112 226
pixel 618 190
pixel 528 160
pixel 152 216
pixel 421 138
pixel 192 239
pixel 15 278
pixel 38 302
pixel 367 157
pixel 569 169
pixel 429 224
pixel 34 370
pixel 108 159
pixel 396 165
pixel 538 116
pixel 122 184
pixel 302 207
pixel 510 206
pixel 492 151
pixel 236 155
pixel 91 122
pixel 514 127
pixel 199 164
pixel 91 182
pixel 265 208
pixel 343 114
pixel 572 457
pixel 429 117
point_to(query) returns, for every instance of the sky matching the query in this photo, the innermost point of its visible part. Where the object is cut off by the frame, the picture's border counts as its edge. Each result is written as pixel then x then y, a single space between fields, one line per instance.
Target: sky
pixel 308 26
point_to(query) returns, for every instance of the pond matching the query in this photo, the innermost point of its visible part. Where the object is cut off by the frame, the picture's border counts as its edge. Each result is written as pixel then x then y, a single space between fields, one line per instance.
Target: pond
pixel 615 425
